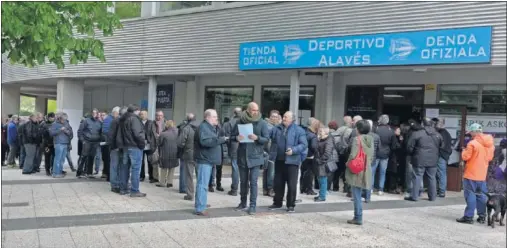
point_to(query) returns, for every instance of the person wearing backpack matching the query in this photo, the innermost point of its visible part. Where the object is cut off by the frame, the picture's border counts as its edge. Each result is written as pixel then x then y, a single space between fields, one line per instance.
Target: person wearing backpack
pixel 358 172
pixel 340 135
pixel 423 146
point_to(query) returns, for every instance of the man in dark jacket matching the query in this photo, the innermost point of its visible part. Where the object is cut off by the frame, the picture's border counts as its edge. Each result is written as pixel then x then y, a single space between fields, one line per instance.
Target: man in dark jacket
pixel 150 132
pixel 208 152
pixel 62 135
pixel 40 148
pixel 387 143
pixel 132 133
pixel 105 149
pixel 5 146
pixel 232 148
pixel 32 139
pixel 22 152
pixel 186 145
pixel 423 146
pixel 47 143
pixel 289 148
pixel 250 154
pixel 118 173
pixel 90 133
pixel 444 154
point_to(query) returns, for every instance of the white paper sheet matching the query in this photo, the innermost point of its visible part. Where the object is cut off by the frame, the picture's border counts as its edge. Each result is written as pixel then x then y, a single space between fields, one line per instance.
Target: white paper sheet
pixel 432 113
pixel 451 122
pixel 245 130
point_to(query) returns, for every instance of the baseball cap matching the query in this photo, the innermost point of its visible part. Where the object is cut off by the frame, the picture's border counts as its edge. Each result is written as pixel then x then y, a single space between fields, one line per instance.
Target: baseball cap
pixel 476 127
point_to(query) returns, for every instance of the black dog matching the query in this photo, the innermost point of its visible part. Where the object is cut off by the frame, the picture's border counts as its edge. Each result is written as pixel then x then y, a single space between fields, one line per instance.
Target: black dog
pixel 499 204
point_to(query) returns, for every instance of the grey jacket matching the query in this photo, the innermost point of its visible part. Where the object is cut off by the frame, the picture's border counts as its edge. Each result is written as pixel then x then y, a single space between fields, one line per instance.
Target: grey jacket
pixel 168 149
pixel 59 136
pixel 252 154
pixel 325 153
pixel 186 140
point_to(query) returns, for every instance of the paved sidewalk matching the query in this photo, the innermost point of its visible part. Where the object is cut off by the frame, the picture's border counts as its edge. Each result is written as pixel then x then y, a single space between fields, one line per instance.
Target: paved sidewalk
pixel 39 211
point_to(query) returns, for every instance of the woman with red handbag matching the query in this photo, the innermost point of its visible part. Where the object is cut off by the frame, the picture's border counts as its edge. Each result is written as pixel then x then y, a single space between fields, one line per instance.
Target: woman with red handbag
pixel 358 174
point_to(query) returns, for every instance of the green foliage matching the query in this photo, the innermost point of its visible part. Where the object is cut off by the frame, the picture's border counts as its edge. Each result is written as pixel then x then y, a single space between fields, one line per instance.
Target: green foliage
pixel 51 106
pixel 33 32
pixel 125 10
pixel 26 105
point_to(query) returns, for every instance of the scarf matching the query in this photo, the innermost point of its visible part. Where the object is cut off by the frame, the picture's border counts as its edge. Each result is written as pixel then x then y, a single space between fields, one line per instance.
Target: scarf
pixel 247 118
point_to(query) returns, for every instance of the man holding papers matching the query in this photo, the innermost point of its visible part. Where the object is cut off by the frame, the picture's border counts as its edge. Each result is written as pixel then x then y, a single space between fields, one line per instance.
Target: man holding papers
pixel 251 131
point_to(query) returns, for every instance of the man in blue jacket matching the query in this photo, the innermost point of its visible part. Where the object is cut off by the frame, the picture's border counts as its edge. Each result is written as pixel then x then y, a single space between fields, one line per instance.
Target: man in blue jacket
pixel 289 148
pixel 12 140
pixel 62 135
pixel 105 149
pixel 250 155
pixel 208 152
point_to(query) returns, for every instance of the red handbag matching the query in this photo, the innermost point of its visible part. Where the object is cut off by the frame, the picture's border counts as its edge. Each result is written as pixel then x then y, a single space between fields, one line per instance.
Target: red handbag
pixel 358 164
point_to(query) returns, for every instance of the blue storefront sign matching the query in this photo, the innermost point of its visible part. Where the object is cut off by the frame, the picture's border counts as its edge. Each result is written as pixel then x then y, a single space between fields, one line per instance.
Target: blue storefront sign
pixel 446 46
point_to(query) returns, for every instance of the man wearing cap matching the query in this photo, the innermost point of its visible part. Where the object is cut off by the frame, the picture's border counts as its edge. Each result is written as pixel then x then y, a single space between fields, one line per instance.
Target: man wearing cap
pixel 477 155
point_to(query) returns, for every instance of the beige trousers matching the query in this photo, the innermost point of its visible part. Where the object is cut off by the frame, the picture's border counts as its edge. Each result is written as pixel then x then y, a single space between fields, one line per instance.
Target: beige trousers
pixel 165 175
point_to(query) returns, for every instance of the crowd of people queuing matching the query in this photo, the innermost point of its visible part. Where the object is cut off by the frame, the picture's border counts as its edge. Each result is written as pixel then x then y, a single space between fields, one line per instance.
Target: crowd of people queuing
pixel 366 156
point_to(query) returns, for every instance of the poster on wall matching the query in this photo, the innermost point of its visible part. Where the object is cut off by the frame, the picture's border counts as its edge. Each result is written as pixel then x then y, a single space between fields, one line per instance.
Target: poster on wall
pixel 164 96
pixel 494 125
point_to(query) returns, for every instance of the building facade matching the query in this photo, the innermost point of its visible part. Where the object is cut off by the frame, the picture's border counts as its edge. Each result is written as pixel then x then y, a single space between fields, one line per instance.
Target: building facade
pixel 193 57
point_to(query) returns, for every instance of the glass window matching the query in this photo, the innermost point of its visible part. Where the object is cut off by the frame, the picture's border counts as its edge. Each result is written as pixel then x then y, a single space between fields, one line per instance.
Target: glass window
pixel 460 94
pixel 494 99
pixel 126 10
pixel 169 6
pixel 278 98
pixel 225 99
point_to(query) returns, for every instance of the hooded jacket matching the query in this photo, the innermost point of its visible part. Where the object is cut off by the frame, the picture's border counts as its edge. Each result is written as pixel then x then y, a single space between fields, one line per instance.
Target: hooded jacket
pixel 424 145
pixel 186 139
pixel 477 154
pixel 362 179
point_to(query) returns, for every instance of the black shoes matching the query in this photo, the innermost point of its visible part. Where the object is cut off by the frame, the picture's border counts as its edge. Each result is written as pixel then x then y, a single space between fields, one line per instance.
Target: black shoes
pixel 219 188
pixel 290 210
pixel 115 190
pixel 188 198
pixel 211 189
pixel 138 194
pixel 233 192
pixel 241 207
pixel 481 220
pixel 409 198
pixel 465 220
pixel 274 207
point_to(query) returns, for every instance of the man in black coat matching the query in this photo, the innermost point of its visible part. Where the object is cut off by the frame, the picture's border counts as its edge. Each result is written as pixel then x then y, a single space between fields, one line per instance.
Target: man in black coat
pixel 32 139
pixel 48 146
pixel 388 142
pixel 423 146
pixel 444 154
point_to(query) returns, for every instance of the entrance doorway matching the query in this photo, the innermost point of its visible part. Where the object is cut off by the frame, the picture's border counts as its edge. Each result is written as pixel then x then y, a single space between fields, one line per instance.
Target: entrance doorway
pixel 402 103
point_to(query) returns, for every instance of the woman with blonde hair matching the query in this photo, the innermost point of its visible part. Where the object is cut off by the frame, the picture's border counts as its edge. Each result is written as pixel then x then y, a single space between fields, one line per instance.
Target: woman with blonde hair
pixel 168 154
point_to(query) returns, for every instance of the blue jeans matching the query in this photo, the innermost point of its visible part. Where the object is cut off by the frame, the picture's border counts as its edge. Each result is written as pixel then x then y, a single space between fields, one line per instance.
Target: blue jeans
pixel 383 167
pixel 123 173
pixel 358 204
pixel 249 176
pixel 98 158
pixel 322 187
pixel 60 154
pixel 201 191
pixel 442 175
pixel 114 176
pixel 268 175
pixel 182 177
pixel 235 174
pixel 475 197
pixel 134 156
